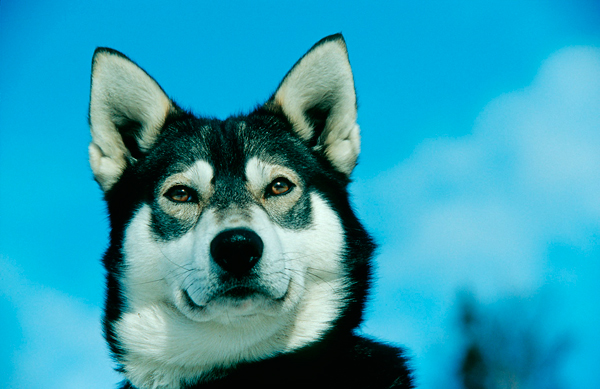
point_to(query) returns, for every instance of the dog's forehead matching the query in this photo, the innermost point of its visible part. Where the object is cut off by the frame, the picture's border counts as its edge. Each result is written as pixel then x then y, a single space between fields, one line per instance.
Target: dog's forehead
pixel 226 145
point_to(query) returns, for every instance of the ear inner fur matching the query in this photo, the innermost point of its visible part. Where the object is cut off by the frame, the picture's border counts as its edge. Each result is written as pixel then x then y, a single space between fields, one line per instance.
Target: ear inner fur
pixel 127 110
pixel 318 98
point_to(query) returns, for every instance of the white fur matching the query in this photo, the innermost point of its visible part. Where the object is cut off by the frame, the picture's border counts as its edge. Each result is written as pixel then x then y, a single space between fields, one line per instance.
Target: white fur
pixel 200 174
pixel 167 342
pixel 121 92
pixel 323 77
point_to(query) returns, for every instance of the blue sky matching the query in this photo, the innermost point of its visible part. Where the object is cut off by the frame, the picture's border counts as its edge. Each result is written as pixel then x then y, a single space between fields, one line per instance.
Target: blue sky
pixel 479 168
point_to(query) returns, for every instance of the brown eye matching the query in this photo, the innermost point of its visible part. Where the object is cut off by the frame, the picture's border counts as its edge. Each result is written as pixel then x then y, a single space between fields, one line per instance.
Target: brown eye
pixel 181 194
pixel 279 186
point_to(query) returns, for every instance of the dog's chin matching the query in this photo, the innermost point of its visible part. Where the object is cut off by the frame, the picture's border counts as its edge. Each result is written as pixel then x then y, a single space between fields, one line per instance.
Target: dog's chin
pixel 230 306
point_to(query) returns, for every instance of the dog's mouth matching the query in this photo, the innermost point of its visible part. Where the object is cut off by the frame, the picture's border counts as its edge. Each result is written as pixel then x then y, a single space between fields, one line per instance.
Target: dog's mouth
pixel 234 293
pixel 239 292
pixel 189 302
pixel 239 300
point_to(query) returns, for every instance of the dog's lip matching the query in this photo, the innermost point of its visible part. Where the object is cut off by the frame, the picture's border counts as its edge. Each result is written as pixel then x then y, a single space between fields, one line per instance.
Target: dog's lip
pixel 189 301
pixel 242 291
pixel 238 292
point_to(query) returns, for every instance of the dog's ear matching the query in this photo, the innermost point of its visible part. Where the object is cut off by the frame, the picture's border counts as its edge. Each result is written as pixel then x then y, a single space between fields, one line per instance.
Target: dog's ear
pixel 318 98
pixel 127 111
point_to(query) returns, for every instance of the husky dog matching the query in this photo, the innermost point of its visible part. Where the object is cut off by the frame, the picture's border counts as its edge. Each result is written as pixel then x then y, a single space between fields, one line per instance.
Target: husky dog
pixel 235 259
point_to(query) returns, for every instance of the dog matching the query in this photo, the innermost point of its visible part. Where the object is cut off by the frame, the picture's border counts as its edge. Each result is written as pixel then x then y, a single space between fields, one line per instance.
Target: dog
pixel 235 258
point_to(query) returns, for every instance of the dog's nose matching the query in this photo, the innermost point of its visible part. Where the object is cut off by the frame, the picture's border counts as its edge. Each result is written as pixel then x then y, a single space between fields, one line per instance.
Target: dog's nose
pixel 236 251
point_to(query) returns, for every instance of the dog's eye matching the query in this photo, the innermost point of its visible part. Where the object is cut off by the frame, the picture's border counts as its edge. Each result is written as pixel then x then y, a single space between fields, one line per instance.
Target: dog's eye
pixel 279 186
pixel 181 194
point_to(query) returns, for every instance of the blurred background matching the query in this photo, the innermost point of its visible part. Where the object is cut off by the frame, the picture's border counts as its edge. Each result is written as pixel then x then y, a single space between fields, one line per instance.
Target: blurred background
pixel 479 174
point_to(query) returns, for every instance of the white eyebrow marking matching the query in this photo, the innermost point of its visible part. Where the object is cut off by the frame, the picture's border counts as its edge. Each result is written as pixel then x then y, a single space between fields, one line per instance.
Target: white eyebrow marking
pixel 258 173
pixel 201 173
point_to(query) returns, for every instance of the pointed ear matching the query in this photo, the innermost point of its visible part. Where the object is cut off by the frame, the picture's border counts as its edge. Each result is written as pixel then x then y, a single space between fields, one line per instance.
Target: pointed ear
pixel 127 111
pixel 318 98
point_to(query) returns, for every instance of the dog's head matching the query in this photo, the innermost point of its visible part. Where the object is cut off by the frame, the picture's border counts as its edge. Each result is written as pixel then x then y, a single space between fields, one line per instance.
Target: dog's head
pixel 231 240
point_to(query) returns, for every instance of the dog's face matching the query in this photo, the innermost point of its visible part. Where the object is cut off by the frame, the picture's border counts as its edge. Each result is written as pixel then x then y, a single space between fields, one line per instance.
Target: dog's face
pixel 231 223
pixel 231 240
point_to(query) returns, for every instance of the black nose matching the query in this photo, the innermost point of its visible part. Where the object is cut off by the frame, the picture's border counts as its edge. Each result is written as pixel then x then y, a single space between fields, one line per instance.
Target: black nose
pixel 237 250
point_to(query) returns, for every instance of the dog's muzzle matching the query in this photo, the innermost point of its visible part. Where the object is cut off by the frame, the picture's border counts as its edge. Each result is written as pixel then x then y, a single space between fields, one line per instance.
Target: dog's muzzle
pixel 237 250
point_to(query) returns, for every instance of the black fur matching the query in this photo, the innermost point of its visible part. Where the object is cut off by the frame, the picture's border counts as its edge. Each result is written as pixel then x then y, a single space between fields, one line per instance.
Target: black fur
pixel 349 361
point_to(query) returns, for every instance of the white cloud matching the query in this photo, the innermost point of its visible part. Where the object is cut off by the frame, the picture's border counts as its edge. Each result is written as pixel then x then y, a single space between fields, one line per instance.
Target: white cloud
pixel 62 345
pixel 483 211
